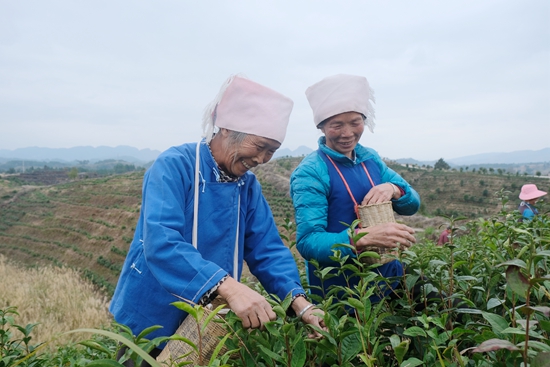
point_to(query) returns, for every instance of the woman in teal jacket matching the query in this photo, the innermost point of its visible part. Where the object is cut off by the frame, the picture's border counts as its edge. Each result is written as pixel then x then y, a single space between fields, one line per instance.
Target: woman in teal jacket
pixel 328 183
pixel 203 214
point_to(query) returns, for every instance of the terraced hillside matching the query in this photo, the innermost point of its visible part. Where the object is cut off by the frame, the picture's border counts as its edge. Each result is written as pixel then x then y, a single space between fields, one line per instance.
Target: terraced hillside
pixel 85 224
pixel 472 194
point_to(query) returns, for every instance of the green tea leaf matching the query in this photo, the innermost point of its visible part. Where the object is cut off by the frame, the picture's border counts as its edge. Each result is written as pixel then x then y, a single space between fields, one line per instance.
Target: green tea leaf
pixel 184 306
pixel 94 345
pixel 104 363
pixel 147 331
pixel 131 345
pixel 400 350
pixel 350 346
pixel 498 323
pixel 517 281
pixel 515 262
pixel 272 328
pixel 298 354
pixel 271 354
pixel 494 302
pixel 411 362
pixel 415 331
pixel 545 325
pixel 494 344
pixel 537 345
pixel 357 304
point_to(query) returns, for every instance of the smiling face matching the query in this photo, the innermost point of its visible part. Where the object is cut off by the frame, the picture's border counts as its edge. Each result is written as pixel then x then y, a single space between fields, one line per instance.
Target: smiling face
pixel 343 132
pixel 236 154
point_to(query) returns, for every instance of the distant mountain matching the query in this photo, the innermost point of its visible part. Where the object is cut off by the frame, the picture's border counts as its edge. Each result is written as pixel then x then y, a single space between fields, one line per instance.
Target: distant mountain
pixel 298 152
pixel 520 156
pixel 122 152
pixel 412 161
pixel 517 157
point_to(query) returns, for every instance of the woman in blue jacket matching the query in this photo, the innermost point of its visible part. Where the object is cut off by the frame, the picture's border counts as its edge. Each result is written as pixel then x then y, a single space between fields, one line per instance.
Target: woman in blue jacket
pixel 328 184
pixel 203 213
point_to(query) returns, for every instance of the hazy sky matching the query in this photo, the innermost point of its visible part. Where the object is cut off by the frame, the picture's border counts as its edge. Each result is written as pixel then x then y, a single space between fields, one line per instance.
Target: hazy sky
pixel 451 78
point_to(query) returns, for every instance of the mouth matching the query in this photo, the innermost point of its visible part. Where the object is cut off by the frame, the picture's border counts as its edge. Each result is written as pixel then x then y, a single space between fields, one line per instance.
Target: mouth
pixel 346 143
pixel 245 164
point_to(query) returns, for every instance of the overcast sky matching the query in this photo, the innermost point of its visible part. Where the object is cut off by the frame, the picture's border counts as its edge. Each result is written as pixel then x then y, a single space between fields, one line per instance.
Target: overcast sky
pixel 451 78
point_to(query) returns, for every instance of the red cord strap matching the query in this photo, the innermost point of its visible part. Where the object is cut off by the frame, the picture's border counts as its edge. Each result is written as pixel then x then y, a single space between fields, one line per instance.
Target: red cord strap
pixel 346 183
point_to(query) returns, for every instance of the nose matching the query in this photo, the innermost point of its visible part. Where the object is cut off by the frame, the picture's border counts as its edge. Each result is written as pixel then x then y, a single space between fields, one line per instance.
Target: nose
pixel 347 130
pixel 259 158
pixel 262 157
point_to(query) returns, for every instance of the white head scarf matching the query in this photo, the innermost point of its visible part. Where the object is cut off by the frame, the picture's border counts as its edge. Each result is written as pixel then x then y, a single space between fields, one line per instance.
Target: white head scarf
pixel 248 107
pixel 341 93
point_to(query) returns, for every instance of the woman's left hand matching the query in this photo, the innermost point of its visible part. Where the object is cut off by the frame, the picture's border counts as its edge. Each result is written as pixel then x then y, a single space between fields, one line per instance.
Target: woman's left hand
pixel 313 316
pixel 381 193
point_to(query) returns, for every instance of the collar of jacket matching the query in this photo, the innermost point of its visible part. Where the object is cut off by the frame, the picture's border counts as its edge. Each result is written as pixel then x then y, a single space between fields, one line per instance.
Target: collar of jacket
pixel 361 153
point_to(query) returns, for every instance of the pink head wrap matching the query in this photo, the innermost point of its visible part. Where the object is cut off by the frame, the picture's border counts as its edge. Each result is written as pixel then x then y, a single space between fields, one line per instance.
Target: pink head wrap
pixel 530 191
pixel 248 107
pixel 341 93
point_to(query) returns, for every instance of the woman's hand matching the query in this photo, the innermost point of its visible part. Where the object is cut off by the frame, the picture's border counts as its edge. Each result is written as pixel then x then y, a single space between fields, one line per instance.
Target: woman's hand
pixel 386 235
pixel 381 193
pixel 250 306
pixel 312 316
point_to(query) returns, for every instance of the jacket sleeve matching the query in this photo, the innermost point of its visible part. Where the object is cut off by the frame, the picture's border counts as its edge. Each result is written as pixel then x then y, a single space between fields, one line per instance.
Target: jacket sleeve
pixel 174 262
pixel 409 203
pixel 309 189
pixel 266 255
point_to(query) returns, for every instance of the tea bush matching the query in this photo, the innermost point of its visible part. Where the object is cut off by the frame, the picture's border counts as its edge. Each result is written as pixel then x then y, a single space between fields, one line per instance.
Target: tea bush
pixel 481 300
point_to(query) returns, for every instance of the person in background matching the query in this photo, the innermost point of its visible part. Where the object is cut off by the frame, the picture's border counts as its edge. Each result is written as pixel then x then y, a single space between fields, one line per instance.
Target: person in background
pixel 330 182
pixel 203 214
pixel 529 195
pixel 444 236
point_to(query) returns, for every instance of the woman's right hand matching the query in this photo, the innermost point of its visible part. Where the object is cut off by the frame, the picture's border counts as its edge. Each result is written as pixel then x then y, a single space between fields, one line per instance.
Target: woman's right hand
pixel 386 235
pixel 250 306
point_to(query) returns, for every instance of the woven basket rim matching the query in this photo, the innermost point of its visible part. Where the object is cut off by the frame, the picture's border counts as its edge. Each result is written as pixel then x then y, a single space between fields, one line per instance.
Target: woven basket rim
pixel 174 349
pixel 375 204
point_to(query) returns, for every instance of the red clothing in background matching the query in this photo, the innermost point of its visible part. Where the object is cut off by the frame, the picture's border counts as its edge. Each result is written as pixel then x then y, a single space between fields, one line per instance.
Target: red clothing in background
pixel 444 237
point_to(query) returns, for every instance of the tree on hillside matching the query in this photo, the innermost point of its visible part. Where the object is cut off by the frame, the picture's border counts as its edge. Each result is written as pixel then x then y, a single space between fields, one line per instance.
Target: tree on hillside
pixel 441 164
pixel 73 173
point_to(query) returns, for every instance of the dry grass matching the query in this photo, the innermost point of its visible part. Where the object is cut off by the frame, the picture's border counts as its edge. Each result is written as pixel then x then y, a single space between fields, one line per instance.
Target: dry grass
pixel 57 298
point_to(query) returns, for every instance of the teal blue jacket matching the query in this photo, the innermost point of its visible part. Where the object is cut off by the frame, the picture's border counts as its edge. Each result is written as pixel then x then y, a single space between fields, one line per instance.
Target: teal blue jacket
pixel 310 188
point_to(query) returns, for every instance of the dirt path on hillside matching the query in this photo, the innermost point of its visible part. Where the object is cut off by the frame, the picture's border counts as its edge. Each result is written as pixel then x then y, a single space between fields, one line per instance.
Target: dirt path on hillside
pixel 21 190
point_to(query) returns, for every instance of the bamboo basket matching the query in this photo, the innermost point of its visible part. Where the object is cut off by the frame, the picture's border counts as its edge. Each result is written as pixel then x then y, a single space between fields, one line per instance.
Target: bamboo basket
pixel 175 350
pixel 371 215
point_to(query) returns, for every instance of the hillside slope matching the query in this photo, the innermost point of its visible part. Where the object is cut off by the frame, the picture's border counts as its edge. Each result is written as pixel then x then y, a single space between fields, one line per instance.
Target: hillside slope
pixel 88 224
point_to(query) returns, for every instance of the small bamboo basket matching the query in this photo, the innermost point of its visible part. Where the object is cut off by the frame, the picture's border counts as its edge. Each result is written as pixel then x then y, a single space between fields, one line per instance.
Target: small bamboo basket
pixel 175 351
pixel 371 215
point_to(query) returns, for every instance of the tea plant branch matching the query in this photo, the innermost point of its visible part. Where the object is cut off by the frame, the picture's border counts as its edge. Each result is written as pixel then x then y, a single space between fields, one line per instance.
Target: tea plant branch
pixel 122 340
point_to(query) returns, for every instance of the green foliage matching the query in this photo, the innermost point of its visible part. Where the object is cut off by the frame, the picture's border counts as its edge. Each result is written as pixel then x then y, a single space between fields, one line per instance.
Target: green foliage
pixel 441 164
pixel 73 173
pixel 481 300
pixel 15 341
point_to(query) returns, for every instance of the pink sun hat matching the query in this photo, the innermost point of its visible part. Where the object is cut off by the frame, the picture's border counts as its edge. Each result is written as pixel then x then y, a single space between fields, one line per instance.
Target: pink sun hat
pixel 530 192
pixel 245 106
pixel 341 93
